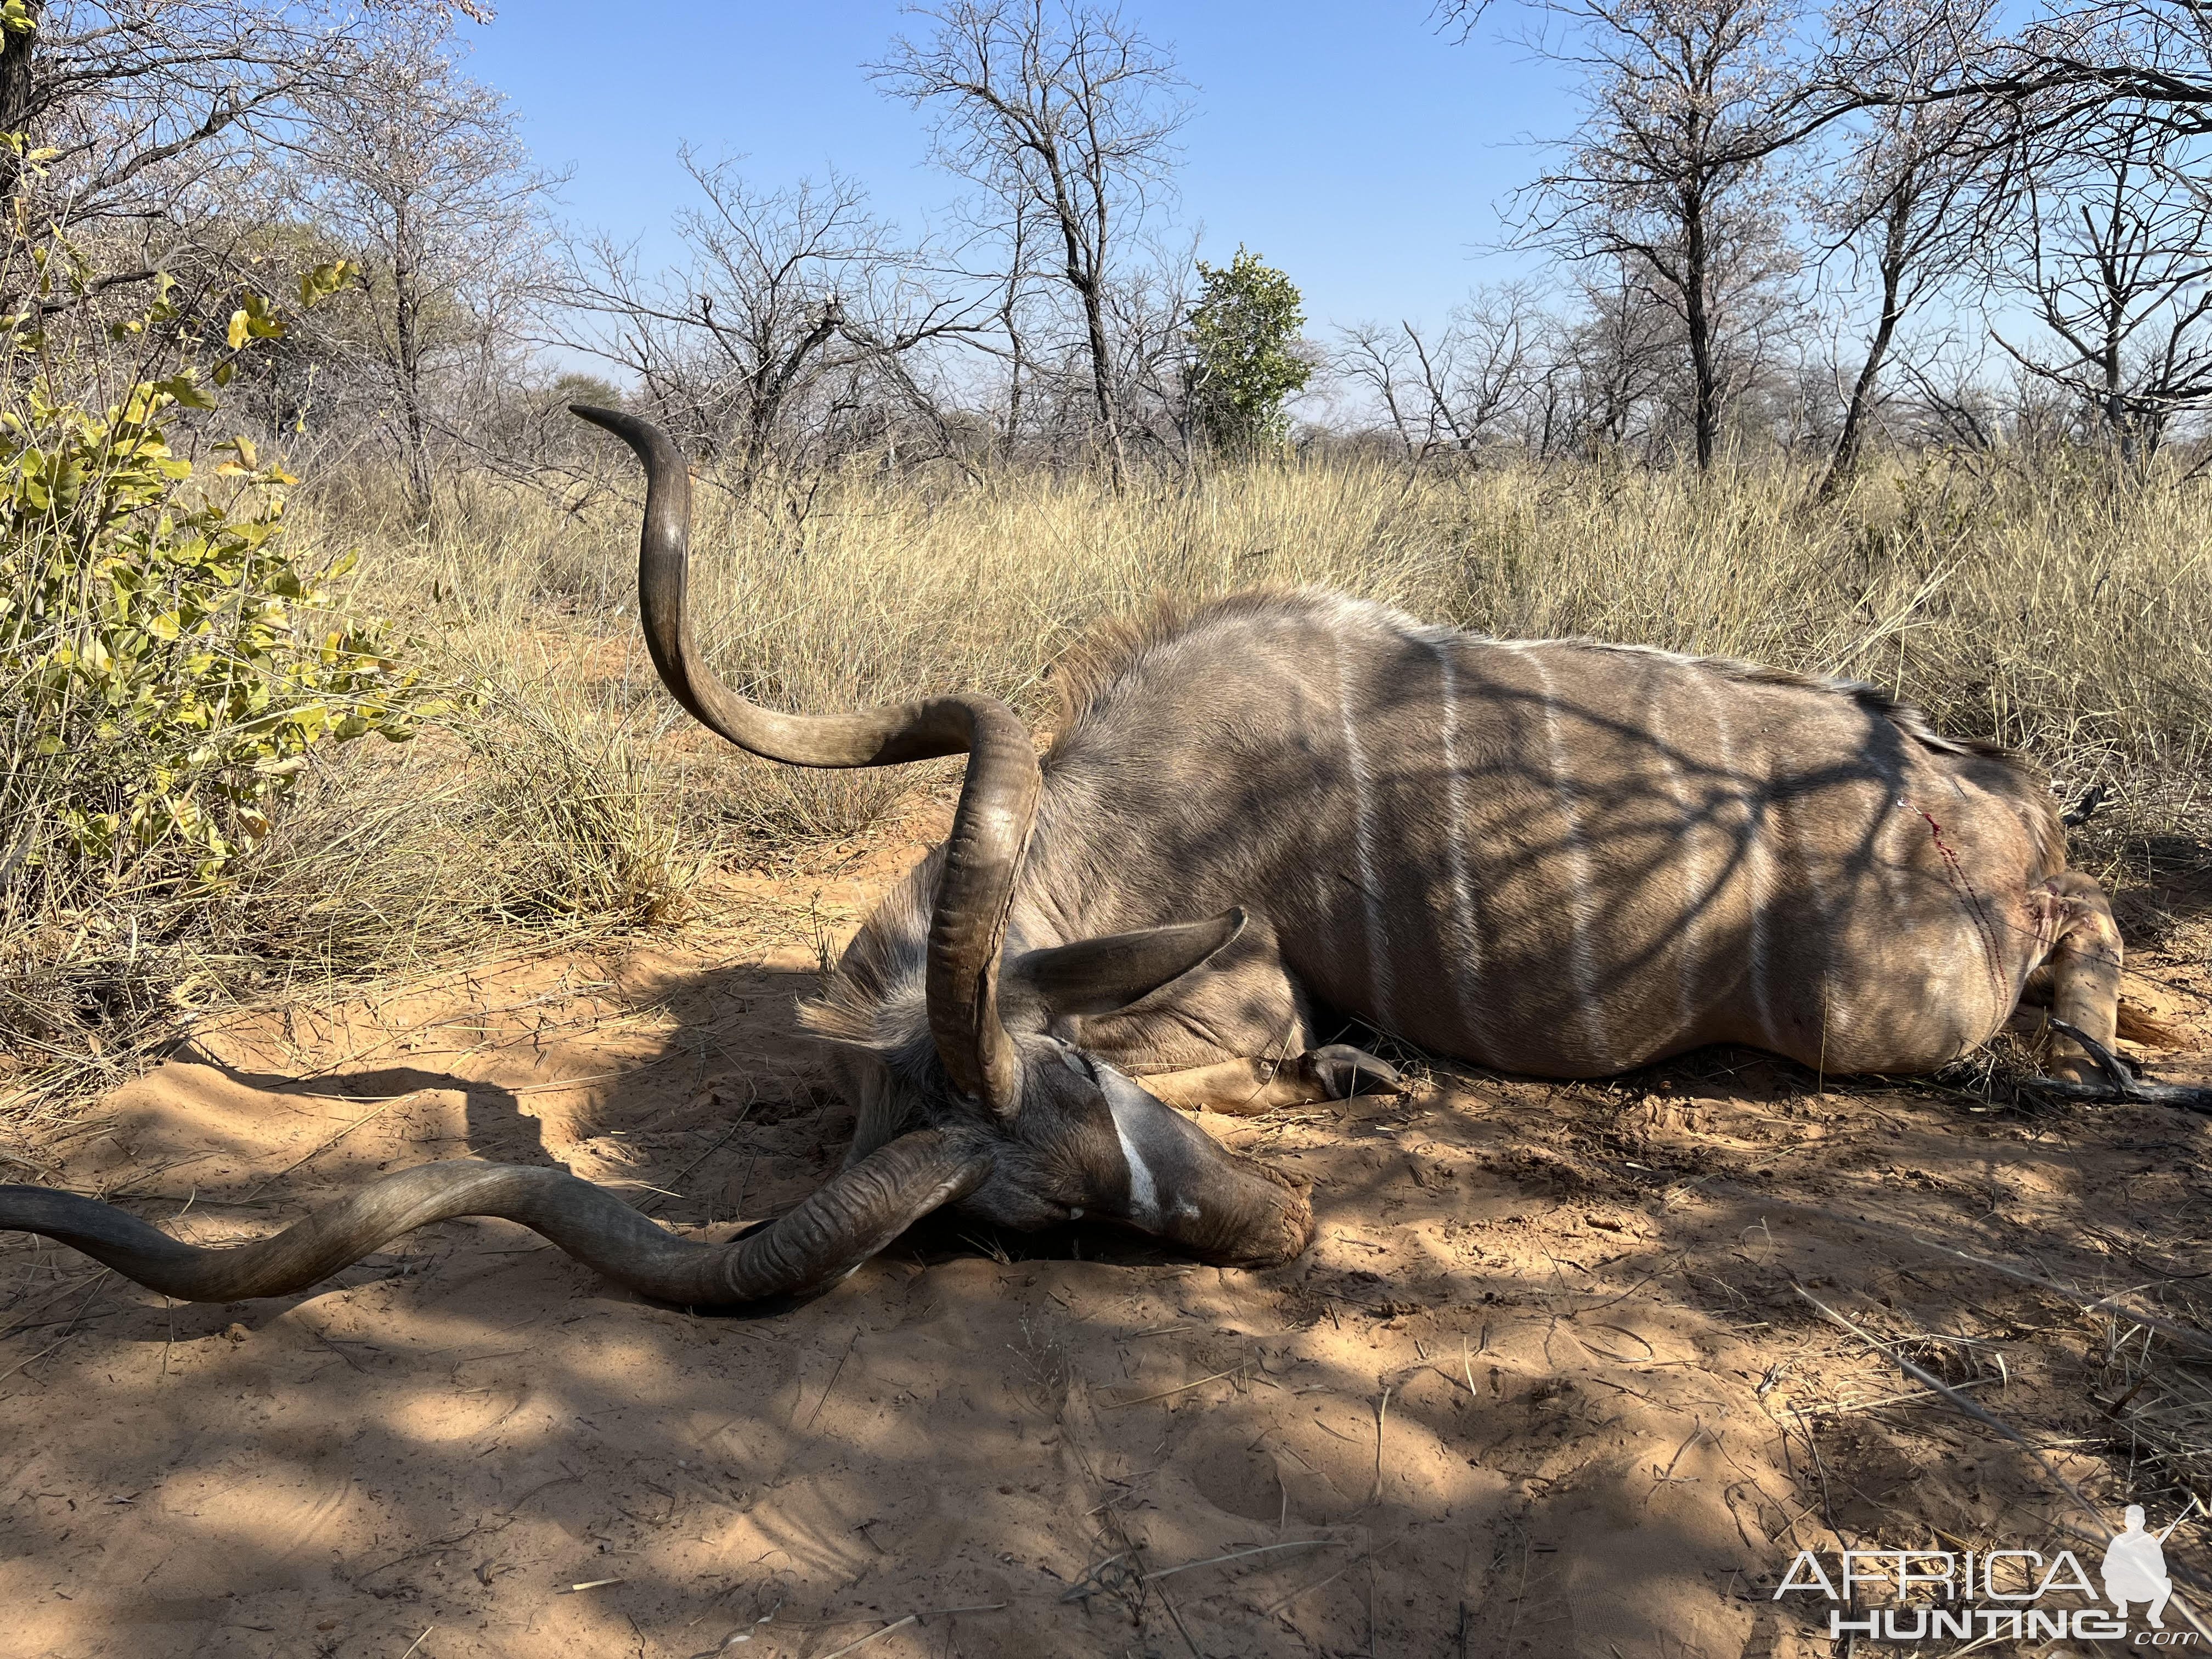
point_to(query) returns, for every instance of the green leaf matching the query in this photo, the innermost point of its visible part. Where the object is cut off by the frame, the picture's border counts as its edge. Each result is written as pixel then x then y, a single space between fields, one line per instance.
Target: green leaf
pixel 184 387
pixel 319 284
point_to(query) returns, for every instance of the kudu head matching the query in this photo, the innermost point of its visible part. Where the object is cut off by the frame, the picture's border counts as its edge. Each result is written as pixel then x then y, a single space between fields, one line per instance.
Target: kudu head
pixel 1019 1126
pixel 1046 1133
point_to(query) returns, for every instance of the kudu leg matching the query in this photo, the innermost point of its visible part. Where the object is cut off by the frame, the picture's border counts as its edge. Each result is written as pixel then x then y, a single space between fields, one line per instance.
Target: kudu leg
pixel 2085 973
pixel 1247 1088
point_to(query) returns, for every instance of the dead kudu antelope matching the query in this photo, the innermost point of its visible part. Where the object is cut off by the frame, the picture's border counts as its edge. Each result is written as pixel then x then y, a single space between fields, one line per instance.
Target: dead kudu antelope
pixel 1551 857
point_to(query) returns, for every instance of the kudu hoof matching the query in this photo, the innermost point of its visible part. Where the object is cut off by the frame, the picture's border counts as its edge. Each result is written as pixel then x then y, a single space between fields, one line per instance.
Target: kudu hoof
pixel 2116 1082
pixel 1341 1070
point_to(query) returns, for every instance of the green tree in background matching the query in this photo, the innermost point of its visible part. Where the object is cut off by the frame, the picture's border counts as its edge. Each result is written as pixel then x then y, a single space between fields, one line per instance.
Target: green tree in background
pixel 1245 335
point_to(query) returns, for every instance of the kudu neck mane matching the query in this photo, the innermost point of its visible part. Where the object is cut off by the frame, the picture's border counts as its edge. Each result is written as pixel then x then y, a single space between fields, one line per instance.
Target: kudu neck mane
pixel 876 1000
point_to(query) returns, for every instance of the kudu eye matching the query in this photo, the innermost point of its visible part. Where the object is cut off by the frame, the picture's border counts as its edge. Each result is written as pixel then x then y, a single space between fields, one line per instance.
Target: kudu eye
pixel 1079 1062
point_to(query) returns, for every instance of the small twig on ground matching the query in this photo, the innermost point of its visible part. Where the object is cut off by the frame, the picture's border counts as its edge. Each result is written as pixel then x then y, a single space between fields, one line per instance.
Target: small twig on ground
pixel 854 1647
pixel 1086 1582
pixel 1318 1584
pixel 1175 1613
pixel 1846 1407
pixel 677 1182
pixel 1121 1405
pixel 418 1641
pixel 1697 1433
pixel 1238 1555
pixel 832 1383
pixel 2188 1336
pixel 1382 1416
pixel 332 1141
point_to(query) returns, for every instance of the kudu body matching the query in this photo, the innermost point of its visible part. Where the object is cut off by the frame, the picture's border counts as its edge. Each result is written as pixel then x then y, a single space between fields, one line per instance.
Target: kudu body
pixel 1552 857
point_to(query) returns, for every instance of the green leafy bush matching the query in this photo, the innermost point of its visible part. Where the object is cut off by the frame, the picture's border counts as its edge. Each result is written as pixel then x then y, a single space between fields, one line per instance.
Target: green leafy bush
pixel 167 665
pixel 1244 338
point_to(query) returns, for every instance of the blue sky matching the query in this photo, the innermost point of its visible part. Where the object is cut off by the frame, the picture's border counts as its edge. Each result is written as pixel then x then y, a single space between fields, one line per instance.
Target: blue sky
pixel 1352 144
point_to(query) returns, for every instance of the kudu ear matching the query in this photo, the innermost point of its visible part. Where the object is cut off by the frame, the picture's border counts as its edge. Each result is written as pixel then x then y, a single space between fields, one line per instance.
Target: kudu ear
pixel 1105 976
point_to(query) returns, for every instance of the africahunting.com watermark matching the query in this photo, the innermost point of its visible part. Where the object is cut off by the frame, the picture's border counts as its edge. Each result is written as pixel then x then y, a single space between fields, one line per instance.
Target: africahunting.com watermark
pixel 1999 1595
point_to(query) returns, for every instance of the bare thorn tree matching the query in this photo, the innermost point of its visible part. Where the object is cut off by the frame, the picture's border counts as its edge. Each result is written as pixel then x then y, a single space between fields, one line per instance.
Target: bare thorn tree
pixel 1066 116
pixel 2057 73
pixel 1456 390
pixel 140 100
pixel 2114 258
pixel 1916 196
pixel 1671 174
pixel 417 172
pixel 788 293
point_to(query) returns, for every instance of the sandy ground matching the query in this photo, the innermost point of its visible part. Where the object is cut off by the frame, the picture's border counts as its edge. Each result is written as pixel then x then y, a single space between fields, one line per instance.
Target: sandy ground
pixel 1549 1383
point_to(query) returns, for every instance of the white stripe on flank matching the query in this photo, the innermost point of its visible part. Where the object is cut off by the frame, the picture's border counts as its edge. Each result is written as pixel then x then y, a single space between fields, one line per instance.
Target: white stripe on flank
pixel 1800 860
pixel 1362 835
pixel 1580 965
pixel 1754 862
pixel 1465 965
pixel 1690 936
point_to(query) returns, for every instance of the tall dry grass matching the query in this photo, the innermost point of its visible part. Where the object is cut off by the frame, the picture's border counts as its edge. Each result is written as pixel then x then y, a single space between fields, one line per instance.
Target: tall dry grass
pixel 2061 611
pixel 2066 614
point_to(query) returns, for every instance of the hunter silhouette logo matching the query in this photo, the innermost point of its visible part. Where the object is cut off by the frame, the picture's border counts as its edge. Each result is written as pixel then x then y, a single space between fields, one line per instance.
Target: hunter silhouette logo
pixel 1994 1594
pixel 2134 1567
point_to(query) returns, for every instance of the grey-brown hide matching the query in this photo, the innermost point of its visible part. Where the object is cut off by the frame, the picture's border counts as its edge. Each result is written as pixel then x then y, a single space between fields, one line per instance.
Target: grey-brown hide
pixel 1554 857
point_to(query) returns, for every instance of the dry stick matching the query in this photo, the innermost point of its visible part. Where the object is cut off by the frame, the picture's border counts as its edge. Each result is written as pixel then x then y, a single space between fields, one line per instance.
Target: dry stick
pixel 681 1174
pixel 31 1164
pixel 418 1641
pixel 41 1354
pixel 1381 1414
pixel 328 1144
pixel 1697 1433
pixel 1318 1584
pixel 67 1288
pixel 67 1333
pixel 853 1647
pixel 1238 1555
pixel 1181 1629
pixel 832 1383
pixel 1845 1408
pixel 1086 1582
pixel 1119 1405
pixel 1959 1403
